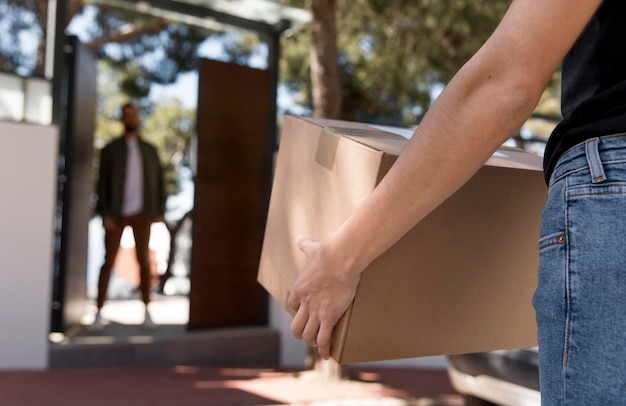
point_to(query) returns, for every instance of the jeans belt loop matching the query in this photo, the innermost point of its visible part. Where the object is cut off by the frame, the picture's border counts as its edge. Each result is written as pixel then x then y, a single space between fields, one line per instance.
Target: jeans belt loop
pixel 594 161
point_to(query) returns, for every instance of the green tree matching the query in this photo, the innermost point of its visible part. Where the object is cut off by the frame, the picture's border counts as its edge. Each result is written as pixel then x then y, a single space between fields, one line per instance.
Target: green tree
pixel 151 49
pixel 170 127
pixel 163 47
pixel 391 53
pixel 22 28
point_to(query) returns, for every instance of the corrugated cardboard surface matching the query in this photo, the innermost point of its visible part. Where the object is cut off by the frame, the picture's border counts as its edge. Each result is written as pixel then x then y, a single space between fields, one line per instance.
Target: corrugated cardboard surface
pixel 461 281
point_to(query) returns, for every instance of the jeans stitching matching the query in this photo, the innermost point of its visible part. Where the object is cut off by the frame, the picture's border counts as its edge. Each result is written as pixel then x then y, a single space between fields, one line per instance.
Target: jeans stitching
pixel 568 295
pixel 617 188
pixel 558 175
pixel 568 290
pixel 567 173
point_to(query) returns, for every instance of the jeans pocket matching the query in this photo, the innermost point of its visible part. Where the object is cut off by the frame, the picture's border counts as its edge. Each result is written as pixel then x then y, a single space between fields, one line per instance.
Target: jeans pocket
pixel 548 299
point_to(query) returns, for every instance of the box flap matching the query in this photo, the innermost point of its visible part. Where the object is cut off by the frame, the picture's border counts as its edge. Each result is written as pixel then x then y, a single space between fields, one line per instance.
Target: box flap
pixel 391 140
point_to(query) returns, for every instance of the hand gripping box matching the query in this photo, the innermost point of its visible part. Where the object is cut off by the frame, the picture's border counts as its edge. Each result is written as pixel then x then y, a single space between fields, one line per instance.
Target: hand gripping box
pixel 460 281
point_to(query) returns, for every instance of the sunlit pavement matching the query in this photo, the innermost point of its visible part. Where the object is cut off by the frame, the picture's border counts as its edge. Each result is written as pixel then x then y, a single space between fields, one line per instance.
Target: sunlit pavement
pixel 185 385
pixel 190 386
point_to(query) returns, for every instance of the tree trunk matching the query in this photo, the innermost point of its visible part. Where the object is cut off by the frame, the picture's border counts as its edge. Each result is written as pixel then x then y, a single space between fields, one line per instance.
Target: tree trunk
pixel 324 69
pixel 41 11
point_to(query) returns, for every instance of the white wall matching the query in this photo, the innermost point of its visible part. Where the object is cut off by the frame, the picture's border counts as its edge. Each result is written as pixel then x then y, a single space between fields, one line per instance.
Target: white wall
pixel 28 167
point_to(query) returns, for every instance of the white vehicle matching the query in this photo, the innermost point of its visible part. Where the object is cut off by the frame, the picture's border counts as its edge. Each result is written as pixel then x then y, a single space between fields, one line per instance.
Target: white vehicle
pixel 508 377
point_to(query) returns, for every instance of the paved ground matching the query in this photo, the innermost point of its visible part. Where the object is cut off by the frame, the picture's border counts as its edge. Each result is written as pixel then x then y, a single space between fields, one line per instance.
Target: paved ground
pixel 210 386
pixel 191 386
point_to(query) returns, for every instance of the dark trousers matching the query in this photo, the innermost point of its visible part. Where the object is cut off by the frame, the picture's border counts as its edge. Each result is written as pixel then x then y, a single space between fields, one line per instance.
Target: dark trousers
pixel 141 232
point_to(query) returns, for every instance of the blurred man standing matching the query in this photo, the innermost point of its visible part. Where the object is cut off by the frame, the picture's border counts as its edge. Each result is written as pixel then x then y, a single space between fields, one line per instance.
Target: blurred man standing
pixel 131 192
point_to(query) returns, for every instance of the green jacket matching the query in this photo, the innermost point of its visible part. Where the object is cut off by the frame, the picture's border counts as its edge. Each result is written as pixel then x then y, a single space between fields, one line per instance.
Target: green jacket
pixel 112 175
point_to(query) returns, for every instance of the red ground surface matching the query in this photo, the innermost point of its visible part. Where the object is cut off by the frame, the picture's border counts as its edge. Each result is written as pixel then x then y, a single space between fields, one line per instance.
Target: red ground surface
pixel 191 386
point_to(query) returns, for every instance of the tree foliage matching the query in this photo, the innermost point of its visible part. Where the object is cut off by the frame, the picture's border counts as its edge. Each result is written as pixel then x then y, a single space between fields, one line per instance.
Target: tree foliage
pixel 153 49
pixel 391 52
pixel 22 28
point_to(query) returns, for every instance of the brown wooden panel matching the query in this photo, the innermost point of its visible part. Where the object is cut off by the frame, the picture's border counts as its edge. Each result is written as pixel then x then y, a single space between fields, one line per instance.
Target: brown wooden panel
pixel 230 196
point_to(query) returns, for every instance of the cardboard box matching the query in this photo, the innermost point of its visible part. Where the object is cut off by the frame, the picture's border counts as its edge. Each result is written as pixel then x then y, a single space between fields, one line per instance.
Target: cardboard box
pixel 460 281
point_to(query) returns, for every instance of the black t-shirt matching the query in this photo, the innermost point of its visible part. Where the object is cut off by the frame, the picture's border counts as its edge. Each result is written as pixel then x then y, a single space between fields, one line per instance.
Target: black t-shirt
pixel 593 102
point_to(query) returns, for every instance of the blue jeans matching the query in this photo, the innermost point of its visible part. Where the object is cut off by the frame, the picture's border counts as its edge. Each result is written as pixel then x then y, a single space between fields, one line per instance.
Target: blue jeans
pixel 581 296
